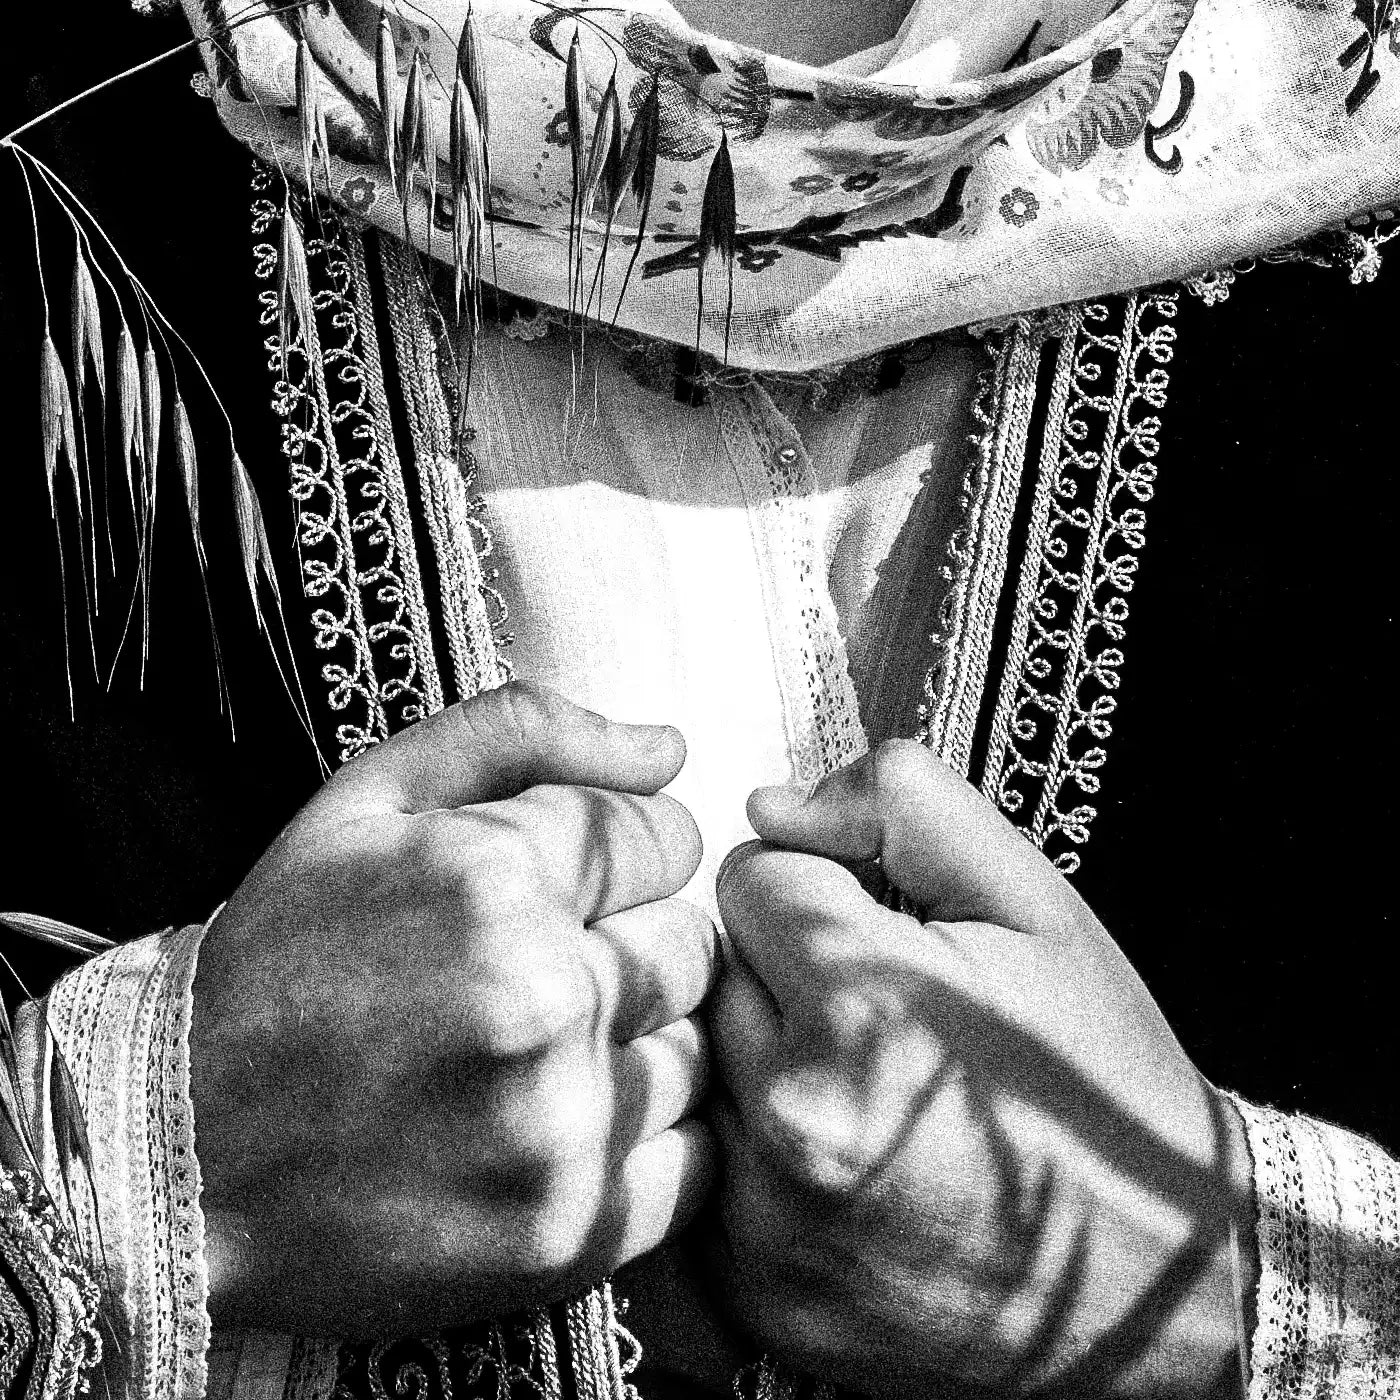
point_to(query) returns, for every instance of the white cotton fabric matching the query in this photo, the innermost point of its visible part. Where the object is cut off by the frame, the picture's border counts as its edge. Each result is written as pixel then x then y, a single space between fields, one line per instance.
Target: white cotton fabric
pixel 766 581
pixel 990 159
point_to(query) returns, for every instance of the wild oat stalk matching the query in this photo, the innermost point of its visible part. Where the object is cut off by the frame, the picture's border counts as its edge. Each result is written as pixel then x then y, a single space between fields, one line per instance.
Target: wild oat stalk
pixel 417 155
pixel 312 119
pixel 718 231
pixel 466 158
pixel 638 173
pixel 386 68
pixel 575 103
pixel 139 392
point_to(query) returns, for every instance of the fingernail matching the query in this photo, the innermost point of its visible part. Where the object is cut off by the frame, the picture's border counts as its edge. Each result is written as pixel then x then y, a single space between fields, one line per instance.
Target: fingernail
pixel 742 849
pixel 795 795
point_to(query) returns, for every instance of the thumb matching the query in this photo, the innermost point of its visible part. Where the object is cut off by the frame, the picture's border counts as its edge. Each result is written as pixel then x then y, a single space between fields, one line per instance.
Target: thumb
pixel 499 743
pixel 938 839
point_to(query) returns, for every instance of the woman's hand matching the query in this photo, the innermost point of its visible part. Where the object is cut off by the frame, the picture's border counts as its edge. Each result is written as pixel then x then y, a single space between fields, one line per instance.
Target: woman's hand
pixel 443 1056
pixel 969 1152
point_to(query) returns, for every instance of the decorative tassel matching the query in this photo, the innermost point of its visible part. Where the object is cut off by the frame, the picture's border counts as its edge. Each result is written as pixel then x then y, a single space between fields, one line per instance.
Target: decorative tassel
pixel 386 72
pixel 718 231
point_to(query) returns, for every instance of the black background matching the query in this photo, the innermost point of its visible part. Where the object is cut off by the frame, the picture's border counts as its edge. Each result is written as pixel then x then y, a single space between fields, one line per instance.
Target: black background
pixel 1243 851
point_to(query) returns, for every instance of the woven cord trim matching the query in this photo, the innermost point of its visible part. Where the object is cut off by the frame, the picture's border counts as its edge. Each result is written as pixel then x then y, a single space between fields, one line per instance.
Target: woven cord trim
pixel 354 532
pixel 122 1021
pixel 977 556
pixel 1329 1256
pixel 473 610
pixel 48 1298
pixel 1097 472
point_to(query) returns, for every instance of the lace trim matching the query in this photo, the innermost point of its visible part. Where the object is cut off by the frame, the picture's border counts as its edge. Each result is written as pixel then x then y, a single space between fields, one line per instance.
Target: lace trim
pixel 1097 471
pixel 48 1298
pixel 978 551
pixel 1353 248
pixel 354 533
pixel 122 1021
pixel 473 610
pixel 677 371
pixel 823 714
pixel 1329 1253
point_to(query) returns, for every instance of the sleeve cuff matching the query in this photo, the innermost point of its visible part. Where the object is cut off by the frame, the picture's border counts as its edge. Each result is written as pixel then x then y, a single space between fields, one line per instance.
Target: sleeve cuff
pixel 1329 1261
pixel 122 1021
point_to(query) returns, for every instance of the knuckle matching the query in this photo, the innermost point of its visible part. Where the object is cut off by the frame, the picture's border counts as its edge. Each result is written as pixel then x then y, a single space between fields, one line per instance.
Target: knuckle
pixel 436 848
pixel 559 1232
pixel 526 707
pixel 529 1011
pixel 474 858
pixel 899 764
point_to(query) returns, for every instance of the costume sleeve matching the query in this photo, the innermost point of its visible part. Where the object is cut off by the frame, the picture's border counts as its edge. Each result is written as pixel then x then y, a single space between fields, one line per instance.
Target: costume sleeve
pixel 1328 1308
pixel 49 1345
pixel 122 1022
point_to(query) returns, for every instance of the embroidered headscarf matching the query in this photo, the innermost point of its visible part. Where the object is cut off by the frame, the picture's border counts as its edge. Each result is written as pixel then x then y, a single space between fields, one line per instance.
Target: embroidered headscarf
pixel 992 158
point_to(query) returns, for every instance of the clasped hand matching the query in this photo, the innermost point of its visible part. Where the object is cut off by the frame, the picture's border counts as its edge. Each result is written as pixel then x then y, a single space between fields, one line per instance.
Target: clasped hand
pixel 444 1058
pixel 446 1061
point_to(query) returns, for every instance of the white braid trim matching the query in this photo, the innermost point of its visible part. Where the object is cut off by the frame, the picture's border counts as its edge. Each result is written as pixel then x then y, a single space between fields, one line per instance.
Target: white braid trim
pixel 123 1023
pixel 1329 1262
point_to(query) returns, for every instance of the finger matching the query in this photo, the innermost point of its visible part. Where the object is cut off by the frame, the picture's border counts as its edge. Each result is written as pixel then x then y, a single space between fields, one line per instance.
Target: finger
pixel 657 1190
pixel 604 851
pixel 795 917
pixel 653 963
pixel 744 1032
pixel 498 744
pixel 658 1080
pixel 938 839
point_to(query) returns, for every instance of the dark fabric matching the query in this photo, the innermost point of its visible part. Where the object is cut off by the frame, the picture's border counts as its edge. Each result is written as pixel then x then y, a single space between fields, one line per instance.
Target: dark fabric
pixel 1242 851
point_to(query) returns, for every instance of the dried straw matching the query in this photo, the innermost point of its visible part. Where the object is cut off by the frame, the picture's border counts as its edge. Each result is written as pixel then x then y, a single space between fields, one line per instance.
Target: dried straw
pixel 386 72
pixel 128 404
pixel 56 419
pixel 718 232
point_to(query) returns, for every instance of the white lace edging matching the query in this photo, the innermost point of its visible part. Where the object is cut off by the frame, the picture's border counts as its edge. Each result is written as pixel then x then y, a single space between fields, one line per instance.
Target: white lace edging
pixel 122 1022
pixel 1329 1261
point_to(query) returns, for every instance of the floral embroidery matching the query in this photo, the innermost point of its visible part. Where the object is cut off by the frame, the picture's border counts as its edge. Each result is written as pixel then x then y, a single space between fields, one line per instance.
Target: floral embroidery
pixel 1109 100
pixel 557 130
pixel 756 259
pixel 1375 19
pixel 358 193
pixel 812 184
pixel 1019 207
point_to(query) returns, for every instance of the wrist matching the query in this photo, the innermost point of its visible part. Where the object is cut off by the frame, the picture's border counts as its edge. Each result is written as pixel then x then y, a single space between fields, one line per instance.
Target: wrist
pixel 1198 1304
